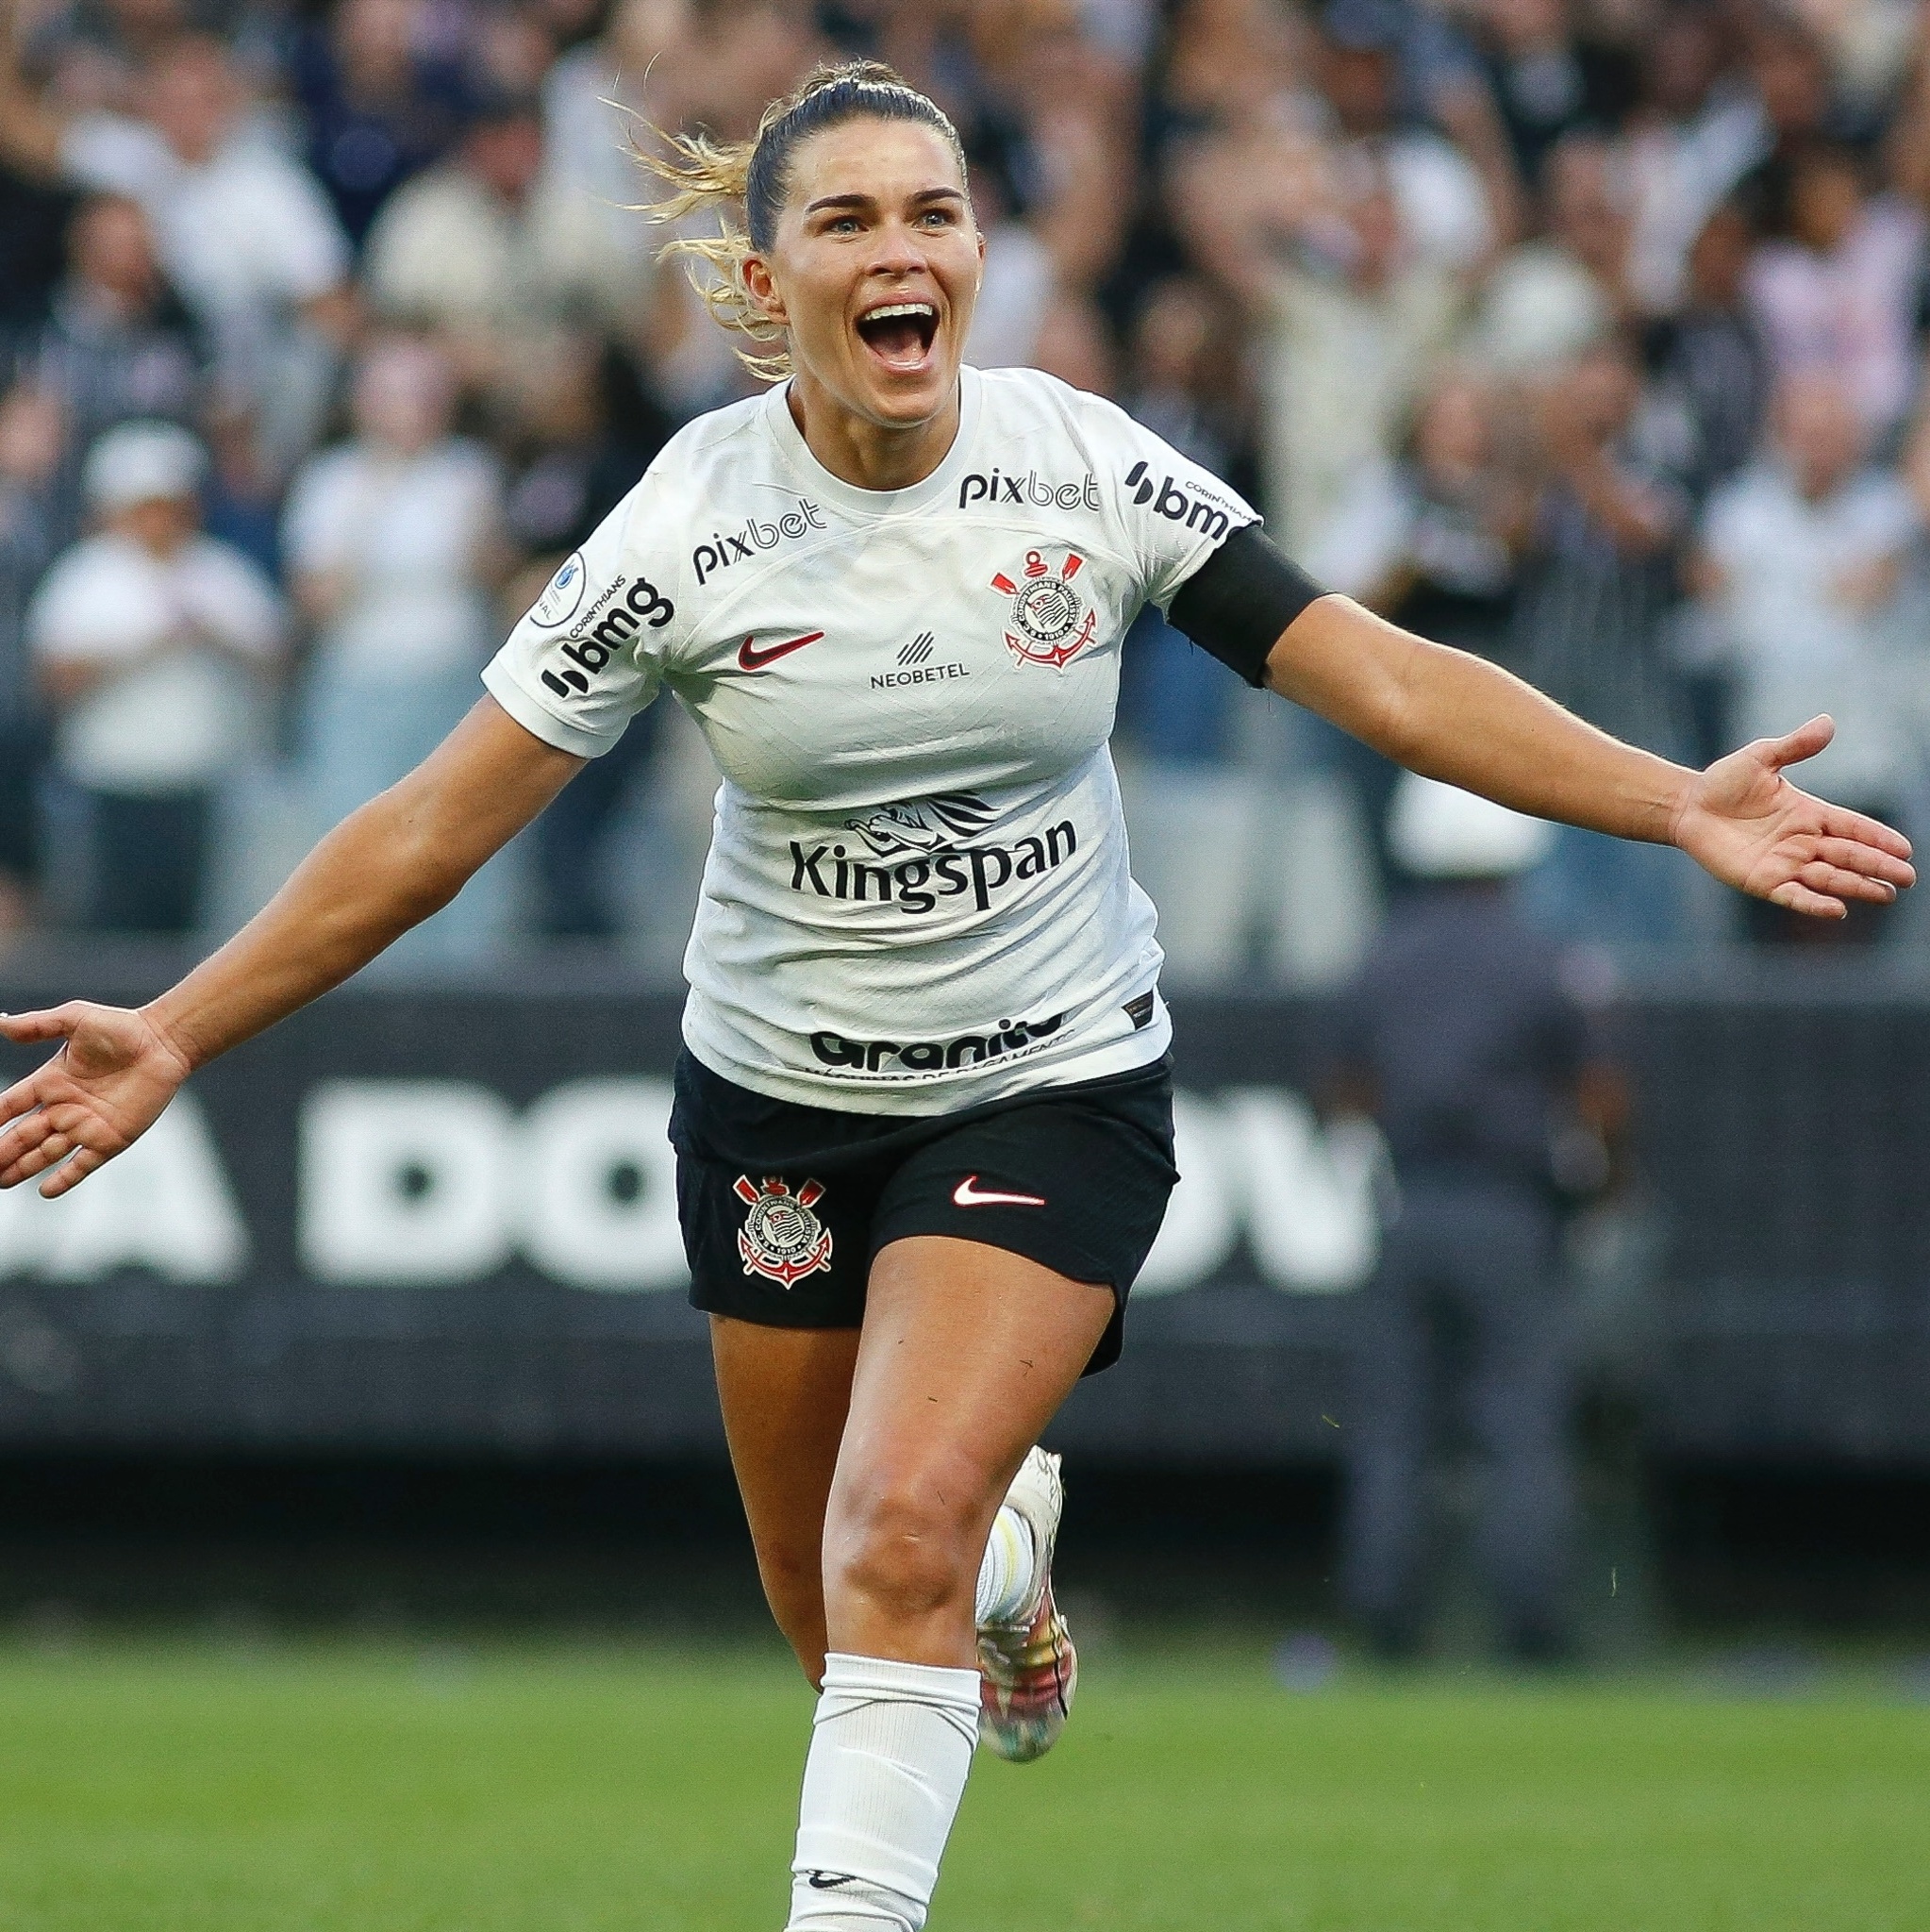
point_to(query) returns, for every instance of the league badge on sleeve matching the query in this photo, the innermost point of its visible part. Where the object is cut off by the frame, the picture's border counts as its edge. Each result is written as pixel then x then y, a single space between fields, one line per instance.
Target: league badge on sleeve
pixel 564 596
pixel 1053 621
pixel 781 1239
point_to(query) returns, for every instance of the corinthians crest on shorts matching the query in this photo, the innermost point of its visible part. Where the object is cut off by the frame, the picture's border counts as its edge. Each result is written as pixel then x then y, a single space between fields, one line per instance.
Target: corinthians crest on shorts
pixel 781 1239
pixel 1053 620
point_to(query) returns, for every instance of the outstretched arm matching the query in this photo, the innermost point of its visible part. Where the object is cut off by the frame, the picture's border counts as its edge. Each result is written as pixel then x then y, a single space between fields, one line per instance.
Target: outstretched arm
pixel 384 869
pixel 1448 715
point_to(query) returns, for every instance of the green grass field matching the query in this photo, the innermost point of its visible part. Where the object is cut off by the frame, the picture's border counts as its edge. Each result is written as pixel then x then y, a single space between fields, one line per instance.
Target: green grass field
pixel 343 1787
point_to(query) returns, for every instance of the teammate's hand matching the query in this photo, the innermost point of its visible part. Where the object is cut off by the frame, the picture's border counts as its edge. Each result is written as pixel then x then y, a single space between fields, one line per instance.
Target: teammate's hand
pixel 104 1087
pixel 1744 822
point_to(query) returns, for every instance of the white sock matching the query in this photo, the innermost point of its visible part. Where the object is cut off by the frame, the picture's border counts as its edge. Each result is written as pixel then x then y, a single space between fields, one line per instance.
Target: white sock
pixel 1005 1577
pixel 890 1746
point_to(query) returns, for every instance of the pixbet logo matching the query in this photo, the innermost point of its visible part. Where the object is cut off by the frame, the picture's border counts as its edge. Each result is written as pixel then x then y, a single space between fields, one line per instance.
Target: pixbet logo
pixel 596 643
pixel 1172 502
pixel 1031 488
pixel 727 547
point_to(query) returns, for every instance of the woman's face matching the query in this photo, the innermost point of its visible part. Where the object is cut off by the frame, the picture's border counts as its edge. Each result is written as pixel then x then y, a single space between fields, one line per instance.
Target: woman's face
pixel 874 269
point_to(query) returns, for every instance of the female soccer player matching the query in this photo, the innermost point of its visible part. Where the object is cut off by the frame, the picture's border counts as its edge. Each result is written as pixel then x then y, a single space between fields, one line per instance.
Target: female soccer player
pixel 923 1119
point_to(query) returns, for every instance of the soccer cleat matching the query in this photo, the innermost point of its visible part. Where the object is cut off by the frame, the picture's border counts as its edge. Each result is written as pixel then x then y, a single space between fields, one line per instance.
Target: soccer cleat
pixel 1028 1669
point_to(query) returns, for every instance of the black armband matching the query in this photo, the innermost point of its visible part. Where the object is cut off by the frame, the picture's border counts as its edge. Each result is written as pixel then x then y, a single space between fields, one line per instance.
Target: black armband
pixel 1236 604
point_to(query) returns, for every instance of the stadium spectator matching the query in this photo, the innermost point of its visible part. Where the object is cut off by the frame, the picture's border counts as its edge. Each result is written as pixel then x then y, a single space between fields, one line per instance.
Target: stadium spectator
pixel 1548 78
pixel 586 432
pixel 154 642
pixel 1800 560
pixel 1454 199
pixel 244 233
pixel 31 435
pixel 34 214
pixel 381 103
pixel 1709 360
pixel 117 344
pixel 1192 812
pixel 1600 578
pixel 1697 130
pixel 1432 543
pixel 595 100
pixel 1552 296
pixel 1461 1039
pixel 1347 325
pixel 392 541
pixel 1838 296
pixel 461 249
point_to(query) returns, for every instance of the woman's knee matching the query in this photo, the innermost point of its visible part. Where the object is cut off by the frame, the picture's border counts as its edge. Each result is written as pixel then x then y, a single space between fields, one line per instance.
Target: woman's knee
pixel 908 1541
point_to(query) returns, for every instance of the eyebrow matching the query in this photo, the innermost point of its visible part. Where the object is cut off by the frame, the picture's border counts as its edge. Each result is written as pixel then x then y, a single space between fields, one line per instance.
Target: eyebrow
pixel 860 201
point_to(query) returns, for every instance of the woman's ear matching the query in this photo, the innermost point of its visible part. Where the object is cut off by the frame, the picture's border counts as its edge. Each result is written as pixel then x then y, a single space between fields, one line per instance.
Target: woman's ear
pixel 761 286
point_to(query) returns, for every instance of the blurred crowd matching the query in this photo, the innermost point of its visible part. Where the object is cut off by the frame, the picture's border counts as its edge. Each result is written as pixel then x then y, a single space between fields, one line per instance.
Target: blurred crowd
pixel 1585 334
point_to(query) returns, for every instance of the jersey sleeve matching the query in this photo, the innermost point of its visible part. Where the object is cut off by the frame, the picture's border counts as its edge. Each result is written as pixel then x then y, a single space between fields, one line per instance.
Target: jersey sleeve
pixel 590 653
pixel 1173 513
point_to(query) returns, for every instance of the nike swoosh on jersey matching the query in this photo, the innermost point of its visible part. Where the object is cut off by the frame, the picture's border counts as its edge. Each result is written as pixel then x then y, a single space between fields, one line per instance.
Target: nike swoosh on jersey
pixel 967 1194
pixel 749 660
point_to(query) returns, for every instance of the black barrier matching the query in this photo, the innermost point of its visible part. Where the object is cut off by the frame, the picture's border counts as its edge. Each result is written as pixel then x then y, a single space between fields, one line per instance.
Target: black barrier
pixel 439 1219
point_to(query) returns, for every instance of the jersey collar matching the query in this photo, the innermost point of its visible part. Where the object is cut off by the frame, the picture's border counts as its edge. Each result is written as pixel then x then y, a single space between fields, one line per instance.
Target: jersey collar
pixel 820 482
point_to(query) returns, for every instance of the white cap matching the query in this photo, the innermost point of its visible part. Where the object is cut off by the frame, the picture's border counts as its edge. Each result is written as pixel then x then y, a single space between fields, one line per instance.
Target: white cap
pixel 136 462
pixel 1438 831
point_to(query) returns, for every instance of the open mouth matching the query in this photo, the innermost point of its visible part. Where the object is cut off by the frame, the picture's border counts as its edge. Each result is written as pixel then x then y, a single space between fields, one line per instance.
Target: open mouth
pixel 900 334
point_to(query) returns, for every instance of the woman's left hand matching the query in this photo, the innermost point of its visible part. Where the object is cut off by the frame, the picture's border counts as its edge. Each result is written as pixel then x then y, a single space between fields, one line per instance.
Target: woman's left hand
pixel 1744 822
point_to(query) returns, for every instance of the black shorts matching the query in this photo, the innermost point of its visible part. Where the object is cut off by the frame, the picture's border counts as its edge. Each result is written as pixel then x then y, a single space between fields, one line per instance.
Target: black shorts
pixel 783 1206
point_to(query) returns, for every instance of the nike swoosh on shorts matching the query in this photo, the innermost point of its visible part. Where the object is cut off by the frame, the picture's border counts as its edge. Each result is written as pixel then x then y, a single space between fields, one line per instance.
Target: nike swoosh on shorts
pixel 969 1194
pixel 749 660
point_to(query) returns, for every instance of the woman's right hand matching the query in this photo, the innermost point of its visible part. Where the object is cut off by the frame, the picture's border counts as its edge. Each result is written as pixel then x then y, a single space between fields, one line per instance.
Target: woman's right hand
pixel 109 1083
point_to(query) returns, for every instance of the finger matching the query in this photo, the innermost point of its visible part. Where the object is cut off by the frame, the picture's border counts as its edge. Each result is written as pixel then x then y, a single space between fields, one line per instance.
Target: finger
pixel 1866 862
pixel 1803 742
pixel 1834 882
pixel 51 1022
pixel 72 1175
pixel 48 1152
pixel 1799 898
pixel 1854 827
pixel 17 1141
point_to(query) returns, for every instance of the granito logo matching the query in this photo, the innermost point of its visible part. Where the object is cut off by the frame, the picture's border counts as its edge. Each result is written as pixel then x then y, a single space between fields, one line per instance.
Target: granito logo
pixel 831 872
pixel 1195 513
pixel 1031 488
pixel 727 547
pixel 592 644
pixel 929 1056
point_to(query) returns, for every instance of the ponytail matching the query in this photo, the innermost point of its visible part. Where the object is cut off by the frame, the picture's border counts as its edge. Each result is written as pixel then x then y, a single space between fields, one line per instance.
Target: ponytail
pixel 745 183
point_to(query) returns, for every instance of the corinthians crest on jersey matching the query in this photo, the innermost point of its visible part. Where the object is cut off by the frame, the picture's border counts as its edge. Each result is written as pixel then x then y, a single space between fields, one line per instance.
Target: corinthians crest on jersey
pixel 781 1239
pixel 1053 620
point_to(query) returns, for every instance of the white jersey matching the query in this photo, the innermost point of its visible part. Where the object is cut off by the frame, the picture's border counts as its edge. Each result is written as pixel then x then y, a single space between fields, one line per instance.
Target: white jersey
pixel 917 895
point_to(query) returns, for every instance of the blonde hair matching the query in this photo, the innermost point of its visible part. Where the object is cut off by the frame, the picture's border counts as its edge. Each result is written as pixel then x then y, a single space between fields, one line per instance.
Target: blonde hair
pixel 744 184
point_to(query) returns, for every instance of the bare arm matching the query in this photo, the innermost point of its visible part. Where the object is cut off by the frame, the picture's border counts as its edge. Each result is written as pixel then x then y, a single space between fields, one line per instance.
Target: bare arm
pixel 384 869
pixel 1455 717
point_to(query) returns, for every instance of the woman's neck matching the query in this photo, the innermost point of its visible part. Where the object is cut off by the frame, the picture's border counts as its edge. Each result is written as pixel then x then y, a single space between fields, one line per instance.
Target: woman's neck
pixel 866 455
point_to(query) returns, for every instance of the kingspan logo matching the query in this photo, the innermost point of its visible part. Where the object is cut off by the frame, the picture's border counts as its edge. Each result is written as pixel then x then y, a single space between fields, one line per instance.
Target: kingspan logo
pixel 1172 502
pixel 727 547
pixel 934 1056
pixel 609 627
pixel 920 854
pixel 1031 488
